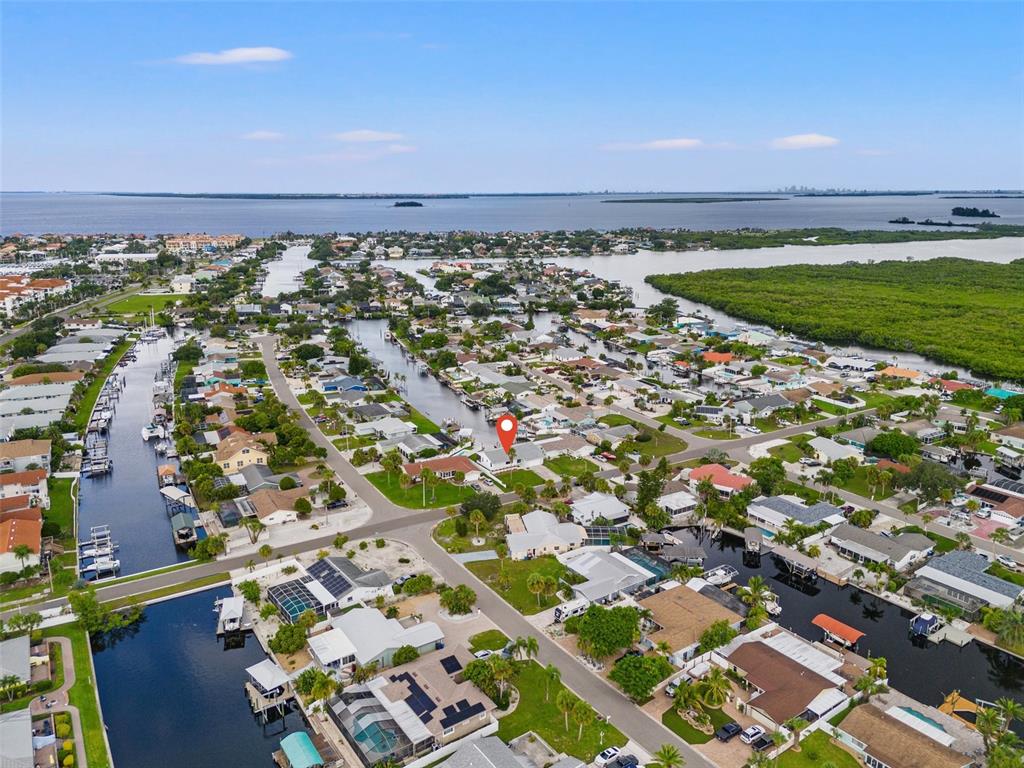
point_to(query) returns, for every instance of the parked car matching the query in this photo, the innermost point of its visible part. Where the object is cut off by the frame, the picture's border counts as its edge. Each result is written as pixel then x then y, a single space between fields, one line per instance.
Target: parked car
pixel 337 504
pixel 751 734
pixel 754 430
pixel 607 756
pixel 762 743
pixel 671 688
pixel 484 654
pixel 1007 562
pixel 807 461
pixel 625 761
pixel 630 652
pixel 728 732
pixel 983 513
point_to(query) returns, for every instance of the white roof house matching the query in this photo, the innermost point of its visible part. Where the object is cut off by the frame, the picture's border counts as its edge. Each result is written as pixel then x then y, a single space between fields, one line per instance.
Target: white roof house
pixel 267 675
pixel 389 427
pixel 16 739
pixel 599 505
pixel 544 535
pixel 829 450
pixel 373 637
pixel 607 574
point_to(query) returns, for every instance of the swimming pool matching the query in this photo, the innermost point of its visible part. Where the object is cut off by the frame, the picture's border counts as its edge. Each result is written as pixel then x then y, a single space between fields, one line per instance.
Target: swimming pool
pixel 768 534
pixel 923 718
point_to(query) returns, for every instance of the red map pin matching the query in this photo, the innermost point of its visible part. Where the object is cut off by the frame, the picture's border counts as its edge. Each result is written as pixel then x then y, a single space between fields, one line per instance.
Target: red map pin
pixel 507 427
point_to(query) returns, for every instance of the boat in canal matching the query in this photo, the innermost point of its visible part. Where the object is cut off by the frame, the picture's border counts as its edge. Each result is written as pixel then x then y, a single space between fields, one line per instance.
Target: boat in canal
pixel 925 624
pixel 720 575
pixel 153 430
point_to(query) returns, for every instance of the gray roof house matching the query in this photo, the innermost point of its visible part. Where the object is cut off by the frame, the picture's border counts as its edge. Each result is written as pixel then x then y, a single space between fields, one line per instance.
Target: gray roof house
pixel 775 510
pixel 607 574
pixel 599 505
pixel 486 752
pixel 861 545
pixel 14 658
pixel 16 739
pixel 962 574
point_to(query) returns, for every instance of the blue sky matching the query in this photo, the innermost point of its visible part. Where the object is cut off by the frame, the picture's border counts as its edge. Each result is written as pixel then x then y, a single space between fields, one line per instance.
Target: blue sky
pixel 485 97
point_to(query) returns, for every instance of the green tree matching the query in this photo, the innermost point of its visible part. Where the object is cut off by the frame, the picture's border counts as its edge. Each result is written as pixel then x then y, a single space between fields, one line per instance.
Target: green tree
pixel 715 688
pixel 552 676
pixel 458 600
pixel 637 675
pixel 667 756
pixel 717 634
pixel 603 631
pixel 565 701
pixel 403 655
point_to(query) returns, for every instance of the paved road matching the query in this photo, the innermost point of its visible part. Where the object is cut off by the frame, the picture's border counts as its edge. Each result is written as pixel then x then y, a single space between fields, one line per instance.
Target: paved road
pixel 67 311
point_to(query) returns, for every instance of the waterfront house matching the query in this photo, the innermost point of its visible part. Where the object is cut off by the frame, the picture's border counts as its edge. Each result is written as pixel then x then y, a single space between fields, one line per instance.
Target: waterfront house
pixel 599 506
pixel 678 617
pixel 239 450
pixel 328 584
pixel 959 578
pixel 726 482
pixel 526 455
pixel 258 477
pixel 30 482
pixel 363 636
pixel 898 737
pixel 387 428
pixel 607 575
pixel 412 711
pixel 21 455
pixel 272 506
pixel 1011 436
pixel 16 531
pixel 864 546
pixel 540 533
pixel 566 445
pixel 775 511
pixel 790 677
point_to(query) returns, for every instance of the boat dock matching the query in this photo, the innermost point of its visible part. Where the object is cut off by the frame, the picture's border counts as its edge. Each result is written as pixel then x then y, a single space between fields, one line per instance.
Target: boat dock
pixel 796 563
pixel 96 554
pixel 232 615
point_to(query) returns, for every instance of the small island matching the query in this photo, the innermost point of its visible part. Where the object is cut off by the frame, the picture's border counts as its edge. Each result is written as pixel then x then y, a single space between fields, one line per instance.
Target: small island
pixel 928 223
pixel 408 204
pixel 981 213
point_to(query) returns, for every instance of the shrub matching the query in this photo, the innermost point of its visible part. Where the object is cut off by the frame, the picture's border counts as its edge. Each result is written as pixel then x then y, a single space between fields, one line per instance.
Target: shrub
pixel 63 730
pixel 290 638
pixel 404 655
pixel 362 545
pixel 68 761
pixel 418 585
pixel 287 483
pixel 404 560
pixel 380 543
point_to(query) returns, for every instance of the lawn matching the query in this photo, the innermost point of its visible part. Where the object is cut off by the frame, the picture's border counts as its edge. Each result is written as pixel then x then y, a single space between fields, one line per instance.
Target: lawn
pixel 524 477
pixel 873 399
pixel 671 720
pixel 132 305
pixel 859 484
pixel 815 751
pixel 423 425
pixel 569 466
pixel 444 494
pixel 489 640
pixel 517 572
pixel 83 693
pixel 184 369
pixel 942 543
pixel 828 407
pixel 716 434
pixel 62 506
pixel 84 408
pixel 491 533
pixel 660 444
pixel 790 452
pixel 809 495
pixel 538 713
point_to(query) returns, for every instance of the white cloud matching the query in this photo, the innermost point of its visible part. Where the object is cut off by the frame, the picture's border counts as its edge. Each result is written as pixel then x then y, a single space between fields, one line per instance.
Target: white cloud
pixel 366 136
pixel 260 55
pixel 658 145
pixel 262 136
pixel 804 141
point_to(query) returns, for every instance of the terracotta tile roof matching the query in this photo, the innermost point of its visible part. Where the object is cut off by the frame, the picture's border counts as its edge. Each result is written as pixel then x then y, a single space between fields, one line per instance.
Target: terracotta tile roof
pixel 19 449
pixel 28 477
pixel 15 502
pixel 718 357
pixel 721 476
pixel 54 377
pixel 15 532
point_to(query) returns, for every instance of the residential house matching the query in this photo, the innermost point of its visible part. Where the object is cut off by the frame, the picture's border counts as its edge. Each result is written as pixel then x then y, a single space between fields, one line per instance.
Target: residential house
pixel 959 578
pixel 15 532
pixel 599 506
pixel 415 722
pixel 387 428
pixel 30 482
pixel 607 575
pixel 20 455
pixel 445 467
pixel 828 450
pixel 526 455
pixel 725 481
pixel 898 737
pixel 1011 436
pixel 776 511
pixel 864 546
pixel 271 506
pixel 540 533
pixel 678 617
pixel 363 636
pixel 329 584
pixel 239 450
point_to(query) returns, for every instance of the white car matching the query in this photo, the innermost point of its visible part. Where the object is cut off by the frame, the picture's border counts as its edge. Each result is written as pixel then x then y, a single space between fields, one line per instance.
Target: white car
pixel 1007 562
pixel 753 733
pixel 607 756
pixel 983 513
pixel 485 654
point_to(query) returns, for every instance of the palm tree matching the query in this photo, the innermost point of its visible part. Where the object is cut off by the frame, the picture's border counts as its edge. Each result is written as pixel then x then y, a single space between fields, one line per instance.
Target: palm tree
pixel 476 519
pixel 756 591
pixel 565 701
pixel 391 462
pixel 427 476
pixel 715 688
pixel 1010 710
pixel 251 565
pixel 535 584
pixel 878 667
pixel 582 715
pixel 795 725
pixel 989 724
pixel 998 536
pixel 552 676
pixel 963 541
pixel 323 688
pixel 667 756
pixel 687 698
pixel 266 552
pixel 501 671
pixel 528 646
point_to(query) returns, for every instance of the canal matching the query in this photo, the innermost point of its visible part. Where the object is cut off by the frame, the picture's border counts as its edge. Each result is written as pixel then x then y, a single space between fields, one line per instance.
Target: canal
pixel 283 274
pixel 424 392
pixel 173 696
pixel 926 671
pixel 128 499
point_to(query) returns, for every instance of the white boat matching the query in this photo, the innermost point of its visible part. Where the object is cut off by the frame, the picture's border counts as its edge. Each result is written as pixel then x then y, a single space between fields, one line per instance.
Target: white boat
pixel 152 430
pixel 102 565
pixel 161 447
pixel 721 575
pixel 772 605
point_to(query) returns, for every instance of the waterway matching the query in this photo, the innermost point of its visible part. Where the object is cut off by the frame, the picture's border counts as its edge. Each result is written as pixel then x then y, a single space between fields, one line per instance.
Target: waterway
pixel 926 671
pixel 172 695
pixel 282 273
pixel 424 392
pixel 128 499
pixel 37 213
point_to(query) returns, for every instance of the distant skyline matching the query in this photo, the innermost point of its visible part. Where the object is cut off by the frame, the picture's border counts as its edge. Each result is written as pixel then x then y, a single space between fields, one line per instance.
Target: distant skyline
pixel 528 97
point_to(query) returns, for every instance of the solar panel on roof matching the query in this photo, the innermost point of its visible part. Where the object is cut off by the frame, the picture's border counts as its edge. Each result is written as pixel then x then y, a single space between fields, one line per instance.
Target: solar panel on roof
pixel 332 579
pixel 453 715
pixel 451 664
pixel 990 495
